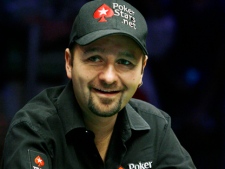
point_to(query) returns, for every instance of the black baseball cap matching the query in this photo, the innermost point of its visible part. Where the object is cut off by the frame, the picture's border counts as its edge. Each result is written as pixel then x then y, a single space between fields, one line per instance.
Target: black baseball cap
pixel 100 18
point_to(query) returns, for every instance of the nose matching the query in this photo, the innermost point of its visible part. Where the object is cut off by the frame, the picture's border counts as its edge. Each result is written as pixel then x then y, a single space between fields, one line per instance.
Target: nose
pixel 108 75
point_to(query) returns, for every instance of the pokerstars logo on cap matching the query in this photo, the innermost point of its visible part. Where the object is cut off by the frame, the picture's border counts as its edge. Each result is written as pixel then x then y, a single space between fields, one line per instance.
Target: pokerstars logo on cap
pixel 127 14
pixel 102 12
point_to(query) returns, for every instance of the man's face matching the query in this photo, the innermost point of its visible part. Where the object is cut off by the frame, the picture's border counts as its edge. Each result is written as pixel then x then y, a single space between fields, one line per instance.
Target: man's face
pixel 105 73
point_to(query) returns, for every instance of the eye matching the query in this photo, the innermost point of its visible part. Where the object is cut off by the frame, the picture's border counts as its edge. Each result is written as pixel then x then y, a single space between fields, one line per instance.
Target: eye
pixel 124 62
pixel 94 59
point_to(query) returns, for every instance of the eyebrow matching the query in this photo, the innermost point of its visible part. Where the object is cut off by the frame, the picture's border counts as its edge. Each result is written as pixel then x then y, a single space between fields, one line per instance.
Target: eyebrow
pixel 126 54
pixel 93 49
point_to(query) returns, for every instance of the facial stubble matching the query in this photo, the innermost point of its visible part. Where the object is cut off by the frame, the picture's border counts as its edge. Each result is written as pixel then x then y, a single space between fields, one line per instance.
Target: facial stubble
pixel 106 110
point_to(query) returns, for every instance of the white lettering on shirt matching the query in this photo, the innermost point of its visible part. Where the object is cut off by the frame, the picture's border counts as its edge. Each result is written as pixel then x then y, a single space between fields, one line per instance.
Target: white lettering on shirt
pixel 140 165
pixel 36 167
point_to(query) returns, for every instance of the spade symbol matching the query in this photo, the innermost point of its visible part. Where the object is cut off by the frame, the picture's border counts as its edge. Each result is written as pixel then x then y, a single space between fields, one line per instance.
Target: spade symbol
pixel 39 161
pixel 104 11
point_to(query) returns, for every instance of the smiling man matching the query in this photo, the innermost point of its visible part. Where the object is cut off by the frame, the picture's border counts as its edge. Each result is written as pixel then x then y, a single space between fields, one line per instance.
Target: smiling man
pixel 105 73
pixel 93 122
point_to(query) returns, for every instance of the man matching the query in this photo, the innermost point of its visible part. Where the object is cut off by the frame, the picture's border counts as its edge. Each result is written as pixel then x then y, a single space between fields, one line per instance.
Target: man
pixel 93 122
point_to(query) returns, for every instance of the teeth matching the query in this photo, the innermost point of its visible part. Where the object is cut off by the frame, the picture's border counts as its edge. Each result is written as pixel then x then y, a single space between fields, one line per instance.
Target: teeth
pixel 106 90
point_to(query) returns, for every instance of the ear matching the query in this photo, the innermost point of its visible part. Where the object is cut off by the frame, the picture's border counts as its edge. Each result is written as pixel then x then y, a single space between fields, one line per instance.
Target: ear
pixel 145 59
pixel 144 63
pixel 68 63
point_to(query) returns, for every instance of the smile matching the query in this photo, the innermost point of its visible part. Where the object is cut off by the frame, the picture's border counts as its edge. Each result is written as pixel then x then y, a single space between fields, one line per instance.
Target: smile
pixel 106 93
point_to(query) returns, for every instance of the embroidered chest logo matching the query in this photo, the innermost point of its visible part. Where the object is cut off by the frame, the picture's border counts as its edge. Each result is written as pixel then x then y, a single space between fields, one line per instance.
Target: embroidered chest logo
pixel 39 161
pixel 104 11
pixel 120 167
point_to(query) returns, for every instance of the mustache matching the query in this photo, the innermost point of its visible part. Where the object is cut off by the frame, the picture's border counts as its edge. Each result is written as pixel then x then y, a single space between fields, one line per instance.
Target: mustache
pixel 104 87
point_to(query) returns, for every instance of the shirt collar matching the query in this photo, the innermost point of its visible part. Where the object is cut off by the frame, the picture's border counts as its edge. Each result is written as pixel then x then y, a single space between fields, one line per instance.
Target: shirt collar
pixel 129 123
pixel 69 110
pixel 135 120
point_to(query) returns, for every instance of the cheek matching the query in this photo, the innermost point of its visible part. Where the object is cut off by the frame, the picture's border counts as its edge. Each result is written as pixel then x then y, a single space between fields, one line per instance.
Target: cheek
pixel 133 79
pixel 131 82
pixel 80 86
pixel 79 77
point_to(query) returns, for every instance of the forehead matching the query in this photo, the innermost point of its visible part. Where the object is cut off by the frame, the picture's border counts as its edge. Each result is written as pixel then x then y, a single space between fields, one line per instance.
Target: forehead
pixel 114 43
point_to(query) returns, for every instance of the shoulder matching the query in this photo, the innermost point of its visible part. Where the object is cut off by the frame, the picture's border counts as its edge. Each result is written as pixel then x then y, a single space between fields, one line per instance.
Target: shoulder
pixel 151 114
pixel 41 107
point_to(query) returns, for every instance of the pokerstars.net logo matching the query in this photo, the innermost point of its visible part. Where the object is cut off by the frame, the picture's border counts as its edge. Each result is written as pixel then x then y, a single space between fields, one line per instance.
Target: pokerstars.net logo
pixel 39 161
pixel 104 11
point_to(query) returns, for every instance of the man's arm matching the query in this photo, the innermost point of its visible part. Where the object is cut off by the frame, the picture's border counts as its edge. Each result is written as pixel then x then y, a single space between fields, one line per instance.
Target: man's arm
pixel 25 148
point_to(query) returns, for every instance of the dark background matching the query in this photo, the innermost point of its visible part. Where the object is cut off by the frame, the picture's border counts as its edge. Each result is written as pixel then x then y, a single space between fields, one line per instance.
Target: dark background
pixel 185 75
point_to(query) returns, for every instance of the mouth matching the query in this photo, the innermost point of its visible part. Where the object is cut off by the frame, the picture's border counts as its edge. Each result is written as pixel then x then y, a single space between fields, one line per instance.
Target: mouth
pixel 106 91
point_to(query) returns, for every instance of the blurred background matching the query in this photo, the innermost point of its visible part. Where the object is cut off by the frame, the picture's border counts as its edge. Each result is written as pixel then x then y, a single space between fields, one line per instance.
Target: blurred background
pixel 185 75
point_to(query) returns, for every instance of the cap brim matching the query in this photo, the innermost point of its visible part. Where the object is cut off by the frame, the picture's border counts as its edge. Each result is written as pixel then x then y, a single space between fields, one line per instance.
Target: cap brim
pixel 87 39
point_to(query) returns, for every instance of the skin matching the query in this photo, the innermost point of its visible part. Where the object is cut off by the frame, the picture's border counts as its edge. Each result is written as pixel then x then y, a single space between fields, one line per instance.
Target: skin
pixel 105 74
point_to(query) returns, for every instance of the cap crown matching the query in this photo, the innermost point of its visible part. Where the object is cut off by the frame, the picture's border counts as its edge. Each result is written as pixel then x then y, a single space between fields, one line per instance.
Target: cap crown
pixel 104 17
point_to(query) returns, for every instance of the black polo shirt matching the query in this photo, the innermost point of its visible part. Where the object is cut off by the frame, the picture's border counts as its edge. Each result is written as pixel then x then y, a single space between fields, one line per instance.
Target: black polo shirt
pixel 49 133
